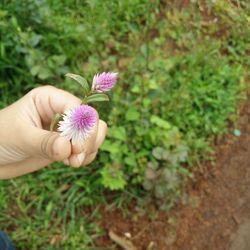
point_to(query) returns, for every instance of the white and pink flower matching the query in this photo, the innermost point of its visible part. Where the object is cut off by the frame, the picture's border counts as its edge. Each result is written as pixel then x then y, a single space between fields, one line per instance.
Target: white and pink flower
pixel 78 123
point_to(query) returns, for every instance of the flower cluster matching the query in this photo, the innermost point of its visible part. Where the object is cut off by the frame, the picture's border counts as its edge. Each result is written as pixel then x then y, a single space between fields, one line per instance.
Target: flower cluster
pixel 78 123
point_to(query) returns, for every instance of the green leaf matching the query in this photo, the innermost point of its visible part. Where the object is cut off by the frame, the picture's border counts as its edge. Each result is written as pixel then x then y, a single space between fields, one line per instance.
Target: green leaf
pixel 49 207
pixel 117 133
pixel 160 122
pixel 44 73
pixel 59 60
pixel 97 98
pixel 153 84
pixel 35 39
pixel 144 50
pixel 132 114
pixel 112 178
pixel 110 147
pixel 182 152
pixel 135 89
pixel 35 70
pixel 82 81
pixel 160 153
pixel 130 160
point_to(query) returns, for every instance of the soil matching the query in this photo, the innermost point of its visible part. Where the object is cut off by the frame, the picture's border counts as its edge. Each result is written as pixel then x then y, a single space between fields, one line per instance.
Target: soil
pixel 217 215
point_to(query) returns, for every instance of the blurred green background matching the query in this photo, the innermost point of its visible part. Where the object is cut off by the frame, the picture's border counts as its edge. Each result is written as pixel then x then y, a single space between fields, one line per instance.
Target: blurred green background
pixel 182 70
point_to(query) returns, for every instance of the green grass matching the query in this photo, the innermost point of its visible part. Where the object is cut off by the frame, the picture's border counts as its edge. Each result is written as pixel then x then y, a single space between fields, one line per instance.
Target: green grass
pixel 182 71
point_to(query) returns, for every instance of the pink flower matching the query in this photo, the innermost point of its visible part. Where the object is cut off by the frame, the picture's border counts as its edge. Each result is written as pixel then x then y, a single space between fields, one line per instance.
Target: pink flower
pixel 78 123
pixel 104 82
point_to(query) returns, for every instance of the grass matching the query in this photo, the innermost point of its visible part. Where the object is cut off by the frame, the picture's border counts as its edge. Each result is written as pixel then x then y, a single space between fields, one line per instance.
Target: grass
pixel 183 70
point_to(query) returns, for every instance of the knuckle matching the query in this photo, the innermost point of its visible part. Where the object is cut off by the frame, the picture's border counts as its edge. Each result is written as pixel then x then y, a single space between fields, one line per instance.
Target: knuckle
pixel 47 87
pixel 46 149
pixel 42 88
pixel 92 156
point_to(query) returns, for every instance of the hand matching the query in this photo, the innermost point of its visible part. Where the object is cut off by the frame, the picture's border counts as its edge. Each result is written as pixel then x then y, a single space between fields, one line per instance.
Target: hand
pixel 25 143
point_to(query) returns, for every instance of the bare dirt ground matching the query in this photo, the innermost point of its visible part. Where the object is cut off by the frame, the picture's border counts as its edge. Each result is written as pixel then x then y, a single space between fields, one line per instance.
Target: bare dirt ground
pixel 221 220
pixel 218 212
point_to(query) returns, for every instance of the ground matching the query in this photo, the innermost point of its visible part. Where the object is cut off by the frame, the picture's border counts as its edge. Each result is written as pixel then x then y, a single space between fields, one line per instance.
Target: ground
pixel 224 196
pixel 217 210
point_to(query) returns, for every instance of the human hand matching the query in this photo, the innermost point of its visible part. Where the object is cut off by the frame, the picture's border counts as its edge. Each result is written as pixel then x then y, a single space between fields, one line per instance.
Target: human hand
pixel 25 143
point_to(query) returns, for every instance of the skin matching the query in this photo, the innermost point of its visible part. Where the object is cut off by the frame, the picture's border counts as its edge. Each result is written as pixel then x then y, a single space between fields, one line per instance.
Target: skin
pixel 26 144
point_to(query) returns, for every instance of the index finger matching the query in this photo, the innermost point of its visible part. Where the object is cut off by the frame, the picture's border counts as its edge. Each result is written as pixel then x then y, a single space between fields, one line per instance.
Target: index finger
pixel 49 100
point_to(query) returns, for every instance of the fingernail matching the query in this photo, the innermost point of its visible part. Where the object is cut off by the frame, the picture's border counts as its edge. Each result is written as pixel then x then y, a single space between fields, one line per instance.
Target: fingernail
pixel 66 162
pixel 81 157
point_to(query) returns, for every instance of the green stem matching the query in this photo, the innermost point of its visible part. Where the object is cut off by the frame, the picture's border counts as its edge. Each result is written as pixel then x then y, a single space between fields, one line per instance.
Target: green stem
pixel 54 121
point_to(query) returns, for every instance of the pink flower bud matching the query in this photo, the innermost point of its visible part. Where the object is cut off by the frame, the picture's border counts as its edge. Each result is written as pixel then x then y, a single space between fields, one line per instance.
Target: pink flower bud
pixel 104 82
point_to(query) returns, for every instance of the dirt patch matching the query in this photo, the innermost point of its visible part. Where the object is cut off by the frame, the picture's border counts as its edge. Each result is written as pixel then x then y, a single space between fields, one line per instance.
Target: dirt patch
pixel 224 195
pixel 241 239
pixel 219 211
pixel 141 230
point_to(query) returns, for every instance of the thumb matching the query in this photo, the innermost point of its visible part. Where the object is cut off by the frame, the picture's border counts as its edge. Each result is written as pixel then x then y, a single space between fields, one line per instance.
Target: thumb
pixel 47 144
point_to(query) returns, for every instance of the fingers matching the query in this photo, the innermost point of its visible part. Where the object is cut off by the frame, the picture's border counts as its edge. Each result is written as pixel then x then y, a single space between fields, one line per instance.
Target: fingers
pixel 75 160
pixel 81 159
pixel 45 144
pixel 101 134
pixel 89 158
pixel 49 100
pixel 84 153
